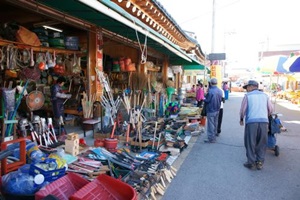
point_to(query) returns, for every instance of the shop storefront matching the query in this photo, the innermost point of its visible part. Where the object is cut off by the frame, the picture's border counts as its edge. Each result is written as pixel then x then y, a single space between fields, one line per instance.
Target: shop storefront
pixel 106 55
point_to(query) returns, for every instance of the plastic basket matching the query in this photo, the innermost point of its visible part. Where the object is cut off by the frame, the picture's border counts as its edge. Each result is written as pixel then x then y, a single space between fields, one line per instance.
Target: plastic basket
pixel 106 188
pixel 50 175
pixel 62 188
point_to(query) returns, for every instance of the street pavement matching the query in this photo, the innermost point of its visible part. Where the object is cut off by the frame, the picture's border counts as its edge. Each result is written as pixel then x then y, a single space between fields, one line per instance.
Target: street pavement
pixel 216 171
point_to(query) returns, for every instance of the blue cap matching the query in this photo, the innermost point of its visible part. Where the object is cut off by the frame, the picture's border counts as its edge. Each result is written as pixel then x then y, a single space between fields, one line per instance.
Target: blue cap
pixel 251 82
pixel 214 81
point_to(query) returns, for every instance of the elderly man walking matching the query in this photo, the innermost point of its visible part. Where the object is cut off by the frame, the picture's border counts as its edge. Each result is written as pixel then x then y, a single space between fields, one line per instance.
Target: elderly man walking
pixel 213 103
pixel 256 107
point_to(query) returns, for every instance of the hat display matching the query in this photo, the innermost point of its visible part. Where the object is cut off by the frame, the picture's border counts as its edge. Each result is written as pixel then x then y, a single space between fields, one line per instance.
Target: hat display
pixel 251 82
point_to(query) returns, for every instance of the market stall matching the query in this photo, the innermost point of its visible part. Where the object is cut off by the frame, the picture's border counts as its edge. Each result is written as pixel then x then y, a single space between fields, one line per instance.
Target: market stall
pixel 111 80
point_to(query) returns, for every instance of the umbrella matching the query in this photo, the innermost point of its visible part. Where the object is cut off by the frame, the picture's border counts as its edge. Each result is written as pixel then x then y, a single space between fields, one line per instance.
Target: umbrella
pixel 272 65
pixel 292 64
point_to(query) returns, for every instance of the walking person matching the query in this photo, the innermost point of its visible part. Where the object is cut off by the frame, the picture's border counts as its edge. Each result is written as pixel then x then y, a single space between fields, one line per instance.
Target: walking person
pixel 213 102
pixel 220 117
pixel 255 108
pixel 200 95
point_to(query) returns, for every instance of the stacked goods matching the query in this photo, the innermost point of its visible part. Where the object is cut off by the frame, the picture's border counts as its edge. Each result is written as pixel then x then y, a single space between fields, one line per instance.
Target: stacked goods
pixel 72 144
pixel 87 105
pixel 72 43
pixel 56 40
pixel 27 37
pixel 42 34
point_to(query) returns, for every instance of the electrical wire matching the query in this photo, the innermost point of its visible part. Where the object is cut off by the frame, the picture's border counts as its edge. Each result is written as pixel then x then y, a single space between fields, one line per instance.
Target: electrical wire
pixel 142 49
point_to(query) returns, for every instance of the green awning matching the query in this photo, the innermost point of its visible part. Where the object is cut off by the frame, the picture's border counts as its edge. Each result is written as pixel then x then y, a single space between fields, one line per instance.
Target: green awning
pixel 193 67
pixel 111 17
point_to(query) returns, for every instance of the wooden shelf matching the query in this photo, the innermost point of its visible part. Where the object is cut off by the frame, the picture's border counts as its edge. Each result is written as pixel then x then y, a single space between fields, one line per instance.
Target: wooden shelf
pixel 39 48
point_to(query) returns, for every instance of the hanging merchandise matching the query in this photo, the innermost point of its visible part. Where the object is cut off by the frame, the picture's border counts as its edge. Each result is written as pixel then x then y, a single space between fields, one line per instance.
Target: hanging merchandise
pixel 9 99
pixel 41 61
pixel 76 62
pixel 59 68
pixel 32 73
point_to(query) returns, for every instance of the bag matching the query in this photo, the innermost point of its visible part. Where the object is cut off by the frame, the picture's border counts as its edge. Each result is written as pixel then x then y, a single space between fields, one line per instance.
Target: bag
pixel 203 111
pixel 32 73
pixel 27 37
pixel 274 125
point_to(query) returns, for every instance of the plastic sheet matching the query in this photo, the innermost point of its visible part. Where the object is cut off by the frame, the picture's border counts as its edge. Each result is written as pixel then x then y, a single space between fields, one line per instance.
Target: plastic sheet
pixel 18 183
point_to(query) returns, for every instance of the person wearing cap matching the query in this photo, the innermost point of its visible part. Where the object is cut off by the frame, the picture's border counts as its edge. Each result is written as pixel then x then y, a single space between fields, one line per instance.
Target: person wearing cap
pixel 255 109
pixel 213 103
pixel 57 98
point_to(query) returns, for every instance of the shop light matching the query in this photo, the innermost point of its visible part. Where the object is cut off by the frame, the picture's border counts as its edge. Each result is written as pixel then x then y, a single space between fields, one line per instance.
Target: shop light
pixel 128 4
pixel 52 28
pixel 139 13
pixel 133 9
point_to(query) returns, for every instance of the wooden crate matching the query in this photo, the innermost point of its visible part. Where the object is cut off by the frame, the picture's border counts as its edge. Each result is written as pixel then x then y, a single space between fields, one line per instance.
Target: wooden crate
pixel 72 146
pixel 136 143
pixel 72 136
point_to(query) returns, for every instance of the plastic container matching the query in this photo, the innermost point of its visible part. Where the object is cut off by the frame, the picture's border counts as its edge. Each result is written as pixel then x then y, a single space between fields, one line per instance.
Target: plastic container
pixel 111 143
pixel 62 188
pixel 50 175
pixel 106 188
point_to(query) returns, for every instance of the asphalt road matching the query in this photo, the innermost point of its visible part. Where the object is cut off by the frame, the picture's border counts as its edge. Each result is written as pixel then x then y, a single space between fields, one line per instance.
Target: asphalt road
pixel 216 171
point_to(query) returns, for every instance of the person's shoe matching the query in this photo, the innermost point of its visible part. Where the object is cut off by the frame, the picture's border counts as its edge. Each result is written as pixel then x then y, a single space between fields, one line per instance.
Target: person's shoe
pixel 259 165
pixel 249 166
pixel 209 141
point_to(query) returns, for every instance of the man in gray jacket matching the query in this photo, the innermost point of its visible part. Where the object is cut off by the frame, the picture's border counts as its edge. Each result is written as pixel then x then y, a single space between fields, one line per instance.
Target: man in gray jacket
pixel 213 103
pixel 256 107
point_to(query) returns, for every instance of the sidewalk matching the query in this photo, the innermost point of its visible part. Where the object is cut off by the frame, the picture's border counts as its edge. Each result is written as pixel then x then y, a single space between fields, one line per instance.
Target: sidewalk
pixel 215 171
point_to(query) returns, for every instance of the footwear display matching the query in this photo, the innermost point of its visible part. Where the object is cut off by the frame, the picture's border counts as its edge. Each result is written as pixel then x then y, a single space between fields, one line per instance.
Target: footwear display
pixel 259 165
pixel 249 165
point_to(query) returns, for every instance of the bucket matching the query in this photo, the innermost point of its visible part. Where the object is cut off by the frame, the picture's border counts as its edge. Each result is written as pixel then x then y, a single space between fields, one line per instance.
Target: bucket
pixel 99 143
pixel 203 121
pixel 111 143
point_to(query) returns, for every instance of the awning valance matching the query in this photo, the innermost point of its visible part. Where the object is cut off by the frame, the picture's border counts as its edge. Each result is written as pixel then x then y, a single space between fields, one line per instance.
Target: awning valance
pixel 193 67
pixel 111 17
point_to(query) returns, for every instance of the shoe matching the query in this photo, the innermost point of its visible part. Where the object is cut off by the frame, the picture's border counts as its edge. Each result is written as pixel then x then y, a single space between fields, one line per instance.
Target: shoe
pixel 259 165
pixel 249 166
pixel 210 141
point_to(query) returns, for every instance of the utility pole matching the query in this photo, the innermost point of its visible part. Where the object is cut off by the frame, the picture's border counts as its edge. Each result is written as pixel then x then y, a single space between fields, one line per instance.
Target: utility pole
pixel 213 28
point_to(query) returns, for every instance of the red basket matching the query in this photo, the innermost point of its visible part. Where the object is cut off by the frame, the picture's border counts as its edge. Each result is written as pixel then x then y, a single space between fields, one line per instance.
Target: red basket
pixel 106 188
pixel 62 188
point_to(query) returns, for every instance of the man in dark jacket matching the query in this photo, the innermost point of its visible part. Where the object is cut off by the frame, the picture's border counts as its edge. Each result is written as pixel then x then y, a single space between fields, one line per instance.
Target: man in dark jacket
pixel 58 98
pixel 213 103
